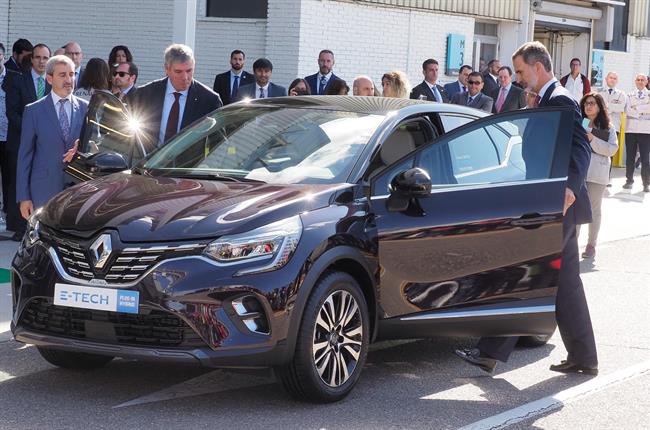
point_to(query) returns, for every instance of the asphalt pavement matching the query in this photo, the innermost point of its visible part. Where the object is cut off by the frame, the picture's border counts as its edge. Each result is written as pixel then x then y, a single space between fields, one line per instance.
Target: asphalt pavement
pixel 405 385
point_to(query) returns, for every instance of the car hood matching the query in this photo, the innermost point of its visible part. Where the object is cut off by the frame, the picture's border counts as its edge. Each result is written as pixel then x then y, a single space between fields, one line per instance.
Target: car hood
pixel 147 209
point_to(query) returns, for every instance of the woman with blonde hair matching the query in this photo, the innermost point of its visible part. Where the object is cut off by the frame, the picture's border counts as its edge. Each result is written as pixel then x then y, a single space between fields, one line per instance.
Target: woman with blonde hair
pixel 396 84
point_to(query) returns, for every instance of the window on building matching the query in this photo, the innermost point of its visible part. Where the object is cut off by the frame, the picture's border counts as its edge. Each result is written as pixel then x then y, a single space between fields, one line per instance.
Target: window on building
pixel 486 44
pixel 237 9
pixel 619 37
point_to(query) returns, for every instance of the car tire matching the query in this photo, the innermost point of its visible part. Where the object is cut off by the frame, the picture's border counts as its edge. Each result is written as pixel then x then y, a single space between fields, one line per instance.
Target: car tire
pixel 73 360
pixel 329 355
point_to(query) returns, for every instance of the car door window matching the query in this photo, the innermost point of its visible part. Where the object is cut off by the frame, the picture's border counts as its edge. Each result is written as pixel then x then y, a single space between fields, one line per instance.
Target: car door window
pixel 505 148
pixel 451 122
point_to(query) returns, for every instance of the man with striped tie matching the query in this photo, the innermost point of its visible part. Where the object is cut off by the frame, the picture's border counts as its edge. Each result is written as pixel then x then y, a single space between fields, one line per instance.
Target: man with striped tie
pixel 23 89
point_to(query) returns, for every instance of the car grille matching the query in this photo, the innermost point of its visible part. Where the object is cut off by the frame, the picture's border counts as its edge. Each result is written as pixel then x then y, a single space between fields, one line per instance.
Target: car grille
pixel 152 327
pixel 124 265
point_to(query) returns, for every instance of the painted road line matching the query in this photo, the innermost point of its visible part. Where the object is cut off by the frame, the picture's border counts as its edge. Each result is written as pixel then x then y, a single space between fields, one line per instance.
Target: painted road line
pixel 556 401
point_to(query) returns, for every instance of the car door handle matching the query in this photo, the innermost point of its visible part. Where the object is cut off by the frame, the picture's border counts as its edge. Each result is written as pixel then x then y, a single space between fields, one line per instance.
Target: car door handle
pixel 534 220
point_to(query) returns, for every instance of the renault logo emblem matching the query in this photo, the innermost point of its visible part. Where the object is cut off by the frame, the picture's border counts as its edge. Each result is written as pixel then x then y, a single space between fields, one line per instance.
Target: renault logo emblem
pixel 100 250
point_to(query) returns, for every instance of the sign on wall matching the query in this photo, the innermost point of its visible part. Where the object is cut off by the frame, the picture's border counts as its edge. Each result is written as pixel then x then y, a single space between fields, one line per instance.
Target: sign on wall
pixel 597 68
pixel 455 53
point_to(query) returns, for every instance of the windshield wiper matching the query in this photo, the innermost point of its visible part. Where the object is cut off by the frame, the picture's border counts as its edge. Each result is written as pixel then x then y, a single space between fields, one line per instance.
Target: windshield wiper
pixel 218 177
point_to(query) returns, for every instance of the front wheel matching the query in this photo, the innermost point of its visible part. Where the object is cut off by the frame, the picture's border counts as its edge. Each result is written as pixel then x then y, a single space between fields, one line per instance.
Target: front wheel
pixel 332 342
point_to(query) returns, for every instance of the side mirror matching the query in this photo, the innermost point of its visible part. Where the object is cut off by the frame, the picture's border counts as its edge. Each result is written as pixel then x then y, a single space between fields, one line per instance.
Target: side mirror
pixel 104 163
pixel 414 182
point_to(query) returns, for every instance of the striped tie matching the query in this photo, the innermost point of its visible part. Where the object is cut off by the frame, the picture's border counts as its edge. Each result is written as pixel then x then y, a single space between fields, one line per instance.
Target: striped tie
pixel 40 89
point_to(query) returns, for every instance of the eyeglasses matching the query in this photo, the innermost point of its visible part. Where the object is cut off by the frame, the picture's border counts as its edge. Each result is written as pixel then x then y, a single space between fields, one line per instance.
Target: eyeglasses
pixel 590 103
pixel 122 74
pixel 474 82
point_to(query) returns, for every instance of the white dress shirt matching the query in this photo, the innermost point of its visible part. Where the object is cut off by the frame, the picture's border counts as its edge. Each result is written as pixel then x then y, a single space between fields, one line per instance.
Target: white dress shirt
pixel 257 91
pixel 435 91
pixel 232 79
pixel 575 87
pixel 167 107
pixel 67 106
pixel 544 88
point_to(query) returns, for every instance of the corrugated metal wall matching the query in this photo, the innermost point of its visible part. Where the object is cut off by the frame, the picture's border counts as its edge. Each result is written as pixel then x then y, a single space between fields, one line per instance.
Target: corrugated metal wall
pixel 500 9
pixel 638 19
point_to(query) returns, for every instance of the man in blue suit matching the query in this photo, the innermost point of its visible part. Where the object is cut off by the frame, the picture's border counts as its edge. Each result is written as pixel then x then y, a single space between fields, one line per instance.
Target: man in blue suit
pixel 460 86
pixel 533 66
pixel 51 127
pixel 320 82
pixel 263 87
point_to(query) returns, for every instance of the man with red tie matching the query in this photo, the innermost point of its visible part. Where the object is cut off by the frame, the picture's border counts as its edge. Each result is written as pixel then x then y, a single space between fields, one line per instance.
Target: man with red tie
pixel 166 106
pixel 507 97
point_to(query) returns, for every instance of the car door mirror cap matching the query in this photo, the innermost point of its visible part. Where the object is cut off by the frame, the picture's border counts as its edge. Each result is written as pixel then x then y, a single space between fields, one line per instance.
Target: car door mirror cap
pixel 411 183
pixel 106 162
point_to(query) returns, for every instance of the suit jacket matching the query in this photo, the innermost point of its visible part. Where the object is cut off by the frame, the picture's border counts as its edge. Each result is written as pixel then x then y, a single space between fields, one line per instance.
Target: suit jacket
pixel 424 89
pixel 489 84
pixel 250 91
pixel 452 88
pixel 146 104
pixel 222 85
pixel 20 92
pixel 313 84
pixel 40 167
pixel 481 101
pixel 81 72
pixel 580 211
pixel 586 85
pixel 514 100
pixel 11 64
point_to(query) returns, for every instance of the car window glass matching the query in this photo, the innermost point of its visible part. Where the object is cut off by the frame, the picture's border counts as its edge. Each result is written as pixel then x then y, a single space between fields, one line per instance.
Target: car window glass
pixel 450 122
pixel 107 128
pixel 515 148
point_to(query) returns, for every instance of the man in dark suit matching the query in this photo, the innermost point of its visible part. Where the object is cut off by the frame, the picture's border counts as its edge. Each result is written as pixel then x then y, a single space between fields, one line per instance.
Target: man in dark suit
pixel 473 97
pixel 166 106
pixel 51 126
pixel 263 87
pixel 429 89
pixel 24 89
pixel 227 84
pixel 533 66
pixel 491 77
pixel 507 97
pixel 319 82
pixel 20 49
pixel 460 86
pixel 124 79
pixel 73 51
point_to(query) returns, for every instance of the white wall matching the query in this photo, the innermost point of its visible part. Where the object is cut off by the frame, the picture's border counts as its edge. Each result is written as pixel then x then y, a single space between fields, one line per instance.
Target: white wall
pixel 373 40
pixel 144 26
pixel 628 64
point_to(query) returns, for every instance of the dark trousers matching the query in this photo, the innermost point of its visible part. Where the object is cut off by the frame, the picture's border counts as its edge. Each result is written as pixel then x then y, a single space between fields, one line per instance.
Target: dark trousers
pixel 640 142
pixel 571 311
pixel 15 221
pixel 3 171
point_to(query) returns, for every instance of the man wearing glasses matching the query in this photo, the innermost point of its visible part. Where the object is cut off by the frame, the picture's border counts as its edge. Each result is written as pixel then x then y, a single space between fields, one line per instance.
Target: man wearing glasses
pixel 473 97
pixel 125 76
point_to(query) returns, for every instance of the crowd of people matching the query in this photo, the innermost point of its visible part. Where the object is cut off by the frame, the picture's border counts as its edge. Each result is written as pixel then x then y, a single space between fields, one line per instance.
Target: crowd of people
pixel 167 105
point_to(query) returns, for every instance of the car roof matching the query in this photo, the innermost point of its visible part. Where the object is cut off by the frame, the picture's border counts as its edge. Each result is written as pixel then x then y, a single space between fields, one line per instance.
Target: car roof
pixel 360 104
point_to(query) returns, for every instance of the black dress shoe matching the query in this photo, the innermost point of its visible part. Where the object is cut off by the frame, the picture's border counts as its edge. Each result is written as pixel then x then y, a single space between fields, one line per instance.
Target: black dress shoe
pixel 646 188
pixel 628 185
pixel 473 357
pixel 568 367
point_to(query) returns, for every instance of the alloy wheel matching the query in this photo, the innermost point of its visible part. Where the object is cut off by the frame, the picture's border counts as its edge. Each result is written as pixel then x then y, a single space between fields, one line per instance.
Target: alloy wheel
pixel 338 333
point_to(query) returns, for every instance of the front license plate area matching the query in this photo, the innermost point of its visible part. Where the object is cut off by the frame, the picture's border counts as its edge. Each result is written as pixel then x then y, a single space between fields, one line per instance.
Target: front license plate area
pixel 103 299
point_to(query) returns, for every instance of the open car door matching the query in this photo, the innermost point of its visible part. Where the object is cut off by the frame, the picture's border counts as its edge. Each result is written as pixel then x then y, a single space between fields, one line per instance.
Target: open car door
pixel 109 140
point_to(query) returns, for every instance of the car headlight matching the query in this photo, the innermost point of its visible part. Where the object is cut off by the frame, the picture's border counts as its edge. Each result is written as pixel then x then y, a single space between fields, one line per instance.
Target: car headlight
pixel 33 230
pixel 274 243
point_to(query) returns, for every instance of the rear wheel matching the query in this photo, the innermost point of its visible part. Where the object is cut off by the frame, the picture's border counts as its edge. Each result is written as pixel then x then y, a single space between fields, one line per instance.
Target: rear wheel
pixel 332 342
pixel 73 360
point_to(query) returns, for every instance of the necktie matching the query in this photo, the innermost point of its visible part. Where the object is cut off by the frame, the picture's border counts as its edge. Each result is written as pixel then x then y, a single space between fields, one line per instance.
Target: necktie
pixel 436 94
pixel 502 98
pixel 64 122
pixel 172 119
pixel 640 94
pixel 464 88
pixel 40 88
pixel 538 100
pixel 262 93
pixel 321 88
pixel 470 100
pixel 610 91
pixel 235 88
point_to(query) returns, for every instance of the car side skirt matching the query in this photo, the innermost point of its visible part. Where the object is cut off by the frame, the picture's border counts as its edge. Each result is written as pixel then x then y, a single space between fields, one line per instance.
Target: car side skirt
pixel 517 318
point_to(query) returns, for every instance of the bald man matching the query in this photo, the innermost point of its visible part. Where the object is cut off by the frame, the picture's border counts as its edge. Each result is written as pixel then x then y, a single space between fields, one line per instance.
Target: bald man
pixel 363 86
pixel 73 51
pixel 615 98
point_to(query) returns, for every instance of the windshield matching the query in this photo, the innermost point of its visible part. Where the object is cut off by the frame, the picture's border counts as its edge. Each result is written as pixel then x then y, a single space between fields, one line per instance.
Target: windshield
pixel 270 144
